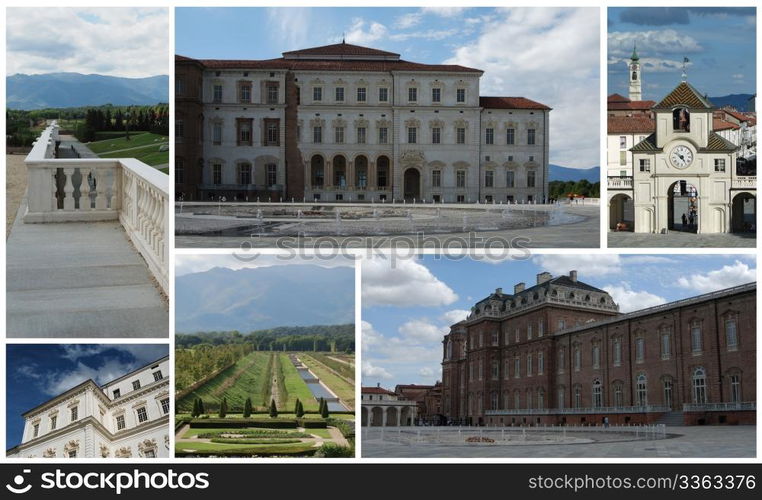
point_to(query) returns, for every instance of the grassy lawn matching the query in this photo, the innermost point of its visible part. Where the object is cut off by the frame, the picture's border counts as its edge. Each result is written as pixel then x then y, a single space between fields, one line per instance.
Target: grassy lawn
pixel 338 385
pixel 221 446
pixel 295 386
pixel 143 146
pixel 191 432
pixel 323 433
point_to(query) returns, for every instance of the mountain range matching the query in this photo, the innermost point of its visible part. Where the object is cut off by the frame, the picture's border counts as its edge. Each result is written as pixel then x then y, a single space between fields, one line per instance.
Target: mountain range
pixel 738 101
pixel 68 90
pixel 559 173
pixel 222 299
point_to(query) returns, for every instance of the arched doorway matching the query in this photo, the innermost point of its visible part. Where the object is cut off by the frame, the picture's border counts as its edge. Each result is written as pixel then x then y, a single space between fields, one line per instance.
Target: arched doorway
pixel 382 172
pixel 376 416
pixel 317 171
pixel 361 172
pixel 682 213
pixel 621 213
pixel 412 184
pixel 391 416
pixel 744 213
pixel 339 171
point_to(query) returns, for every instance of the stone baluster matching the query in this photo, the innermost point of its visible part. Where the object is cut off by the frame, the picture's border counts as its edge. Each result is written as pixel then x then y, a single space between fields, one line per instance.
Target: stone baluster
pixel 114 186
pixel 84 189
pixel 68 203
pixel 100 188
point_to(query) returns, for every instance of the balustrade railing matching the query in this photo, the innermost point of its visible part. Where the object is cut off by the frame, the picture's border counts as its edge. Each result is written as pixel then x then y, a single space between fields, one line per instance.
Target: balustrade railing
pixel 620 182
pixel 580 411
pixel 744 182
pixel 741 406
pixel 89 190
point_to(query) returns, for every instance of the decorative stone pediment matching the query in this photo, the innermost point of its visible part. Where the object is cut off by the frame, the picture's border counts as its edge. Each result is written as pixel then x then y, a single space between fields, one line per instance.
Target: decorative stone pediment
pixel 73 403
pixel 72 445
pixel 436 123
pixel 317 82
pixel 140 403
pixel 123 452
pixel 53 412
pixel 437 84
pixel 361 122
pixel 491 124
pixel 362 82
pixel 162 394
pixel 383 122
pixel 461 123
pixel 532 124
pixel 105 452
pixel 412 122
pixel 339 122
pixel 412 157
pixel 412 83
pixel 510 124
pixel 339 82
pixel 146 445
pixel 317 122
pixel 49 453
pixel 462 84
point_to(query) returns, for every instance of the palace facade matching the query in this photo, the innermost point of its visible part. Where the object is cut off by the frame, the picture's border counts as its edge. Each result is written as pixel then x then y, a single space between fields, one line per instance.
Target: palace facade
pixel 348 123
pixel 125 418
pixel 679 164
pixel 560 352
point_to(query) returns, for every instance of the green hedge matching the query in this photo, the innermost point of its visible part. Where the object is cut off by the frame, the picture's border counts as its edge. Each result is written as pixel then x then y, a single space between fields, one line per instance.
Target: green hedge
pixel 333 450
pixel 347 429
pixel 242 423
pixel 254 441
pixel 255 434
pixel 312 423
pixel 306 451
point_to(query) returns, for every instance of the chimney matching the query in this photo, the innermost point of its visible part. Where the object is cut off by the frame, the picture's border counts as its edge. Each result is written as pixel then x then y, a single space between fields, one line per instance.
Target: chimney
pixel 378 384
pixel 498 291
pixel 543 277
pixel 518 287
pixel 573 276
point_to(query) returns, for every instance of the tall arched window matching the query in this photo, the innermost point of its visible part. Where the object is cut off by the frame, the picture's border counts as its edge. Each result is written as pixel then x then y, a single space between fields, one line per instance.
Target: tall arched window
pixel 577 396
pixel 516 399
pixel 641 390
pixel 699 386
pixel 681 120
pixel 561 395
pixel 540 399
pixel 597 393
pixel 667 386
pixel 618 394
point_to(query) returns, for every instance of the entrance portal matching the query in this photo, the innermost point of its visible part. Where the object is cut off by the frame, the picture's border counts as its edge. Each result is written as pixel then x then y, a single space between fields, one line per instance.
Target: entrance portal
pixel 621 213
pixel 744 213
pixel 412 184
pixel 683 207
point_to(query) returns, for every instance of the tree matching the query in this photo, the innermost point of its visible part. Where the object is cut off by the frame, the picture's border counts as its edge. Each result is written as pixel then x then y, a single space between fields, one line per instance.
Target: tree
pixel 273 409
pixel 201 410
pixel 223 408
pixel 247 408
pixel 194 412
pixel 324 408
pixel 296 406
pixel 299 409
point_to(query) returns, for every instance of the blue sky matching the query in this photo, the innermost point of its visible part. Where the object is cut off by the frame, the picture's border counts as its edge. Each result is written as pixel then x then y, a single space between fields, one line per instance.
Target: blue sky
pixel 720 43
pixel 550 55
pixel 38 372
pixel 408 307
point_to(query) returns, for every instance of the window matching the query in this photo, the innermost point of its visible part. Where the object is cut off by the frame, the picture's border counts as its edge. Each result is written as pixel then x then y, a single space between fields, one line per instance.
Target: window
pixel 735 388
pixel 697 343
pixel 317 94
pixel 412 135
pixel 516 367
pixel 53 422
pixel 412 94
pixel 157 376
pixel 340 94
pixel 135 385
pixel 699 386
pixel 510 136
pixel 731 334
pixel 244 132
pixel 540 363
pixel 617 352
pixel 72 453
pixel 529 365
pixel 217 174
pixel 578 397
pixel 436 178
pixel 142 414
pixel 622 142
pixel 383 135
pixel 74 413
pixel 596 356
pixel 436 135
pixel 561 324
pixel 361 94
pixel 618 395
pixel 179 130
pixel 217 93
pixel 667 388
pixel 339 135
pixel 597 394
pixel 165 405
pixel 271 171
pixel 510 179
pixel 561 359
pixel 623 157
pixel 317 135
pixel 530 136
pixel 561 397
pixel 120 423
pixel 117 393
pixel 719 165
pixel 530 178
pixel 577 358
pixel 640 349
pixel 540 399
pixel 36 430
pixel 460 135
pixel 383 94
pixel 489 136
pixel 495 370
pixel 489 178
pixel 666 344
pixel 529 332
pixel 645 165
pixel 361 135
pixel 179 86
pixel 517 336
pixel 149 454
pixel 244 93
pixel 516 399
pixel 460 95
pixel 436 95
pixel 217 134
pixel 641 390
pixel 460 178
pixel 244 173
pixel 540 328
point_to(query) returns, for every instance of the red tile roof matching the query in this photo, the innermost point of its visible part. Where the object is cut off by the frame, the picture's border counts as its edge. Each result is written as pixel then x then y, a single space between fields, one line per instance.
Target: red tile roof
pixel 341 50
pixel 376 390
pixel 685 95
pixel 630 125
pixel 617 102
pixel 719 124
pixel 736 114
pixel 510 103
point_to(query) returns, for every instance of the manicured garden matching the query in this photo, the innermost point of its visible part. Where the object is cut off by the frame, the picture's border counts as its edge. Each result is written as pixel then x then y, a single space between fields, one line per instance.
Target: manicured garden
pixel 151 149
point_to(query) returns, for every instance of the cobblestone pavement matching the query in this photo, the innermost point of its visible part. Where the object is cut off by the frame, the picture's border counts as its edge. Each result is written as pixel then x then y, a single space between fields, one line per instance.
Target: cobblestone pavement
pixel 690 442
pixel 678 239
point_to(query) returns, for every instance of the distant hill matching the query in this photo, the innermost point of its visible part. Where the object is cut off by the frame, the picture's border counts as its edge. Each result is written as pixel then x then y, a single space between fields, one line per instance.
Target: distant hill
pixel 252 299
pixel 63 90
pixel 559 173
pixel 738 101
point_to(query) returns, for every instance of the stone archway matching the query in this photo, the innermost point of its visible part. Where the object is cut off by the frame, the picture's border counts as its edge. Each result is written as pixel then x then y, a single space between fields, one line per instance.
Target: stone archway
pixel 339 171
pixel 621 213
pixel 317 171
pixel 376 416
pixel 744 213
pixel 412 184
pixel 682 207
pixel 361 172
pixel 392 414
pixel 364 417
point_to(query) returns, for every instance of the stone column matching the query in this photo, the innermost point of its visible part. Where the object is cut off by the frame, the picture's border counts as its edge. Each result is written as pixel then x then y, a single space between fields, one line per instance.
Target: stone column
pixel 383 419
pixel 371 175
pixel 350 175
pixel 399 415
pixel 327 174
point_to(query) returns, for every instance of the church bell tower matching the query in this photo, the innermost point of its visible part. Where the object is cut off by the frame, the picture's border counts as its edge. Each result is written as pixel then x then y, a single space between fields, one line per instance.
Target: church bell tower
pixel 634 74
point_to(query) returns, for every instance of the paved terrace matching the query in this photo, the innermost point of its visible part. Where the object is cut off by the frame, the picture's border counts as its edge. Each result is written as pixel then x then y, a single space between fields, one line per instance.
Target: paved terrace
pixel 79 269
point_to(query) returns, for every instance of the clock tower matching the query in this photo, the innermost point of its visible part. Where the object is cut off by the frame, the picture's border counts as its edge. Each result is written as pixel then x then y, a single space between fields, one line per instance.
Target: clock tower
pixel 634 74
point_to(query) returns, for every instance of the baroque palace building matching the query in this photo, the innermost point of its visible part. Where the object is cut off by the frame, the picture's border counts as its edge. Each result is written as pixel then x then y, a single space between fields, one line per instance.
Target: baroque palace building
pixel 125 418
pixel 560 352
pixel 348 123
pixel 679 164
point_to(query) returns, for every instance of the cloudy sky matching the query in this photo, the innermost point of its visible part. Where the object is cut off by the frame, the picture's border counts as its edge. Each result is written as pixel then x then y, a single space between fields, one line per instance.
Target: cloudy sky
pixel 39 372
pixel 719 42
pixel 548 55
pixel 408 309
pixel 126 42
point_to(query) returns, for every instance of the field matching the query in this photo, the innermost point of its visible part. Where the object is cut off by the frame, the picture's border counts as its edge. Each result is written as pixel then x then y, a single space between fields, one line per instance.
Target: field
pixel 294 387
pixel 340 385
pixel 143 146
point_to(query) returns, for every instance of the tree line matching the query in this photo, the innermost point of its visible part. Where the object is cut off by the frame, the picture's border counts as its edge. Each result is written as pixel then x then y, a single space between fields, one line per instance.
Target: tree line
pixel 562 189
pixel 325 338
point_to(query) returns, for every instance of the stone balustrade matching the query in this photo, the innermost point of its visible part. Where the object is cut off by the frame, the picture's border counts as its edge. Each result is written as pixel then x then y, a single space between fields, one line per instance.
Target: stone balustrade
pixel 744 182
pixel 620 182
pixel 94 189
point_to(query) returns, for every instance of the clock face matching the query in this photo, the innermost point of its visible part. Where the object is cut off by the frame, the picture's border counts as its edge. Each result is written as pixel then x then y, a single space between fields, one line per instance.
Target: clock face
pixel 681 156
pixel 633 67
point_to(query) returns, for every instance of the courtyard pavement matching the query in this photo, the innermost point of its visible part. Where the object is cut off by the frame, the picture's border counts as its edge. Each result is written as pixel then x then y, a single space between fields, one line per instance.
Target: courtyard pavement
pixel 677 239
pixel 690 442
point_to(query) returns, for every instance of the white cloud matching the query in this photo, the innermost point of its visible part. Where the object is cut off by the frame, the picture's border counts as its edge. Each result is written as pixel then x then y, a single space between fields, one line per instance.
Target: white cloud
pixel 425 35
pixel 127 42
pixel 630 300
pixel 111 369
pixel 551 56
pixel 187 264
pixel 369 371
pixel 370 337
pixel 454 316
pixel 445 11
pixel 426 372
pixel 364 32
pixel 406 283
pixel 423 330
pixel 409 20
pixel 586 265
pixel 728 276
pixel 652 43
pixel 647 259
pixel 292 27
pixel 737 76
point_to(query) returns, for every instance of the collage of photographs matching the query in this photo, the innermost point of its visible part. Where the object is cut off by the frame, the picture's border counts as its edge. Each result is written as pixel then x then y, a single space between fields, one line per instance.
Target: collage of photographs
pixel 380 233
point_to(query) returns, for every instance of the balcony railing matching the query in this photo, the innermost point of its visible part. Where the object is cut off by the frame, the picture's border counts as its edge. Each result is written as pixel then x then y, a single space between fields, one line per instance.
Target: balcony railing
pixel 89 190
pixel 743 406
pixel 744 182
pixel 581 411
pixel 620 182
